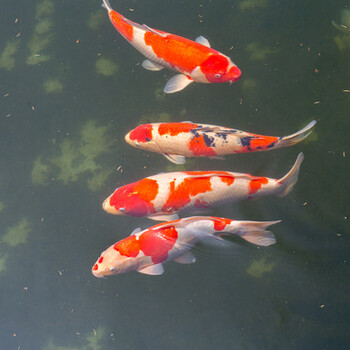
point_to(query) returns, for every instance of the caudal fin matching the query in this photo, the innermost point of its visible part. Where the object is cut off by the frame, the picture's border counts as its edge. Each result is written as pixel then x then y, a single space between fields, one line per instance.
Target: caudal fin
pixel 296 137
pixel 255 232
pixel 106 5
pixel 288 181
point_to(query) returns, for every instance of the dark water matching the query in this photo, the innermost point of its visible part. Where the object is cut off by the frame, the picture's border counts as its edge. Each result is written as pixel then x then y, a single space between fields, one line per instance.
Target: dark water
pixel 295 64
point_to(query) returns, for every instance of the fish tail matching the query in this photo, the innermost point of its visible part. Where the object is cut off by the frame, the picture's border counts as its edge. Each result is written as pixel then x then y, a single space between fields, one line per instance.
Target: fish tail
pixel 255 231
pixel 107 5
pixel 296 137
pixel 289 180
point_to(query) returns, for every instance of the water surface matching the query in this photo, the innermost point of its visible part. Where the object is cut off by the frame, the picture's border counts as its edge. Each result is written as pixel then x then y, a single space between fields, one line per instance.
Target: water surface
pixel 62 127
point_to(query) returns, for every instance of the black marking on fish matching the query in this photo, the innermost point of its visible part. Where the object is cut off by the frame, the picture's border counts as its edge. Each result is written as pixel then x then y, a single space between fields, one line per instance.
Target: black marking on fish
pixel 209 141
pixel 245 141
pixel 221 134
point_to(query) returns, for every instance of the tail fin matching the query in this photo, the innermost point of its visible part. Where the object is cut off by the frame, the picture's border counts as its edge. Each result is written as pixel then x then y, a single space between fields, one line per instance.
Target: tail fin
pixel 107 5
pixel 289 180
pixel 298 136
pixel 254 232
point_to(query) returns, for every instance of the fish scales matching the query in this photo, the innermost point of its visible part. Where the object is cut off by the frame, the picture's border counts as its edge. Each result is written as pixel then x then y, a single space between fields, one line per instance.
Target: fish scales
pixel 163 196
pixel 179 140
pixel 146 251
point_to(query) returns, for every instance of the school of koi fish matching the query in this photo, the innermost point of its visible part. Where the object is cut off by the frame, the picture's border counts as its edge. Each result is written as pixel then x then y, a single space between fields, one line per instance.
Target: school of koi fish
pixel 165 196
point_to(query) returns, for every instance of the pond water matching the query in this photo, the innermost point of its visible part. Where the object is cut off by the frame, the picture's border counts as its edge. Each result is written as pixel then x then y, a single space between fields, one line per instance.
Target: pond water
pixel 70 89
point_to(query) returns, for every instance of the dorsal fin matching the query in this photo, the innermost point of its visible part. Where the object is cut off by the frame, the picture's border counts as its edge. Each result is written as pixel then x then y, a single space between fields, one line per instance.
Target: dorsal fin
pixel 203 41
pixel 137 230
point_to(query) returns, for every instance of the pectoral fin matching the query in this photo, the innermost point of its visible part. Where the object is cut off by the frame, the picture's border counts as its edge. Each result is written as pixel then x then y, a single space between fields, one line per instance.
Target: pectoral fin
pixel 147 64
pixel 175 158
pixel 152 270
pixel 187 258
pixel 177 83
pixel 137 230
pixel 164 217
pixel 202 40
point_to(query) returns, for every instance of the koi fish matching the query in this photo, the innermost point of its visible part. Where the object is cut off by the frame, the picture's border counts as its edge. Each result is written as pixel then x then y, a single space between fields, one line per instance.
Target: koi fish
pixel 179 140
pixel 146 251
pixel 163 196
pixel 194 60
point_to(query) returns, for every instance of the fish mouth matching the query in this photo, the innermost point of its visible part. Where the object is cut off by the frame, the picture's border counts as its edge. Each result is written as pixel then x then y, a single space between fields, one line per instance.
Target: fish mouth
pixel 235 73
pixel 98 275
pixel 110 209
pixel 127 139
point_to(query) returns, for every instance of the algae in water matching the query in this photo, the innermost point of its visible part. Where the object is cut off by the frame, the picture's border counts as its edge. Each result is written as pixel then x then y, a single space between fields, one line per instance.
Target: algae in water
pixel 42 36
pixel 52 86
pixel 17 234
pixel 6 58
pixel 96 19
pixel 44 8
pixel 93 341
pixel 259 52
pixel 76 159
pixel 106 67
pixel 3 258
pixel 259 267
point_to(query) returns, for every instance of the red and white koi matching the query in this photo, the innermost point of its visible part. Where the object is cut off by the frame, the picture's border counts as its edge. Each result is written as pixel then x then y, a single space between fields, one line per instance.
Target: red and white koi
pixel 146 251
pixel 179 140
pixel 163 196
pixel 194 60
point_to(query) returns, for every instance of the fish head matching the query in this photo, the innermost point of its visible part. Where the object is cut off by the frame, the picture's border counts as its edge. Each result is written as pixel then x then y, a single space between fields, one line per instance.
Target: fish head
pixel 218 68
pixel 111 262
pixel 141 137
pixel 134 199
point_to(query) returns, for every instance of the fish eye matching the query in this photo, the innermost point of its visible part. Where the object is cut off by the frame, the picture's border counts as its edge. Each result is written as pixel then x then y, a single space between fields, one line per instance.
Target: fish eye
pixel 217 75
pixel 112 269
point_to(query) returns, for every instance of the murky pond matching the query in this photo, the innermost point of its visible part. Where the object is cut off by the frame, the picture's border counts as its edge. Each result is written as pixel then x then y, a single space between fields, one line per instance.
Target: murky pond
pixel 71 88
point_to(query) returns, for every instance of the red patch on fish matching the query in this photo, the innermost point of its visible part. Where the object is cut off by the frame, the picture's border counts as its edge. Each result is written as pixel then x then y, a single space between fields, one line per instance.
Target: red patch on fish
pixel 199 148
pixel 174 129
pixel 95 268
pixel 100 260
pixel 179 52
pixel 220 223
pixel 181 195
pixel 129 247
pixel 213 65
pixel 123 27
pixel 157 243
pixel 261 143
pixel 136 198
pixel 256 183
pixel 142 133
pixel 229 180
pixel 153 243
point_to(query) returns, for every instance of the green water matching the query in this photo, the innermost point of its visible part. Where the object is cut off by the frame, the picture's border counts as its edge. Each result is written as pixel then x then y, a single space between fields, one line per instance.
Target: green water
pixel 62 127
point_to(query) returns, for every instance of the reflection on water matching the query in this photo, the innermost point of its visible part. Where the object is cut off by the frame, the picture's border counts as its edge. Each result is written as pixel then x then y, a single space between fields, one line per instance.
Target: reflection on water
pixel 71 88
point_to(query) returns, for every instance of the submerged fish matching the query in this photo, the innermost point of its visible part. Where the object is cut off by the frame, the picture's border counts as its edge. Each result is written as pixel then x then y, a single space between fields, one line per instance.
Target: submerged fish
pixel 194 60
pixel 179 140
pixel 145 251
pixel 162 196
pixel 344 26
